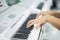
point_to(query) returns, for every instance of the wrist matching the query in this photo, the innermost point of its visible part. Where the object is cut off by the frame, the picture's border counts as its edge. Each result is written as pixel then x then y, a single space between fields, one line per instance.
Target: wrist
pixel 46 17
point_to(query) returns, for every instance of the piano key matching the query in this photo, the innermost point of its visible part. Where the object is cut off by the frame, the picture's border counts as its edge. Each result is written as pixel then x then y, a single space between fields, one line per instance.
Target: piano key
pixel 25 28
pixel 21 36
pixel 24 31
pixel 40 5
pixel 34 34
pixel 32 16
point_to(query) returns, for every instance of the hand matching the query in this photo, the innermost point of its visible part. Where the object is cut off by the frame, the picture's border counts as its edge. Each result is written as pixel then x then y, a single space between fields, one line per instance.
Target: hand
pixel 38 21
pixel 43 13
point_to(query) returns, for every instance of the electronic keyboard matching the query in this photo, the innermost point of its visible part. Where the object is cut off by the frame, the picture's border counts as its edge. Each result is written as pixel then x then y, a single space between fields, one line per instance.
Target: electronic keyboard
pixel 16 18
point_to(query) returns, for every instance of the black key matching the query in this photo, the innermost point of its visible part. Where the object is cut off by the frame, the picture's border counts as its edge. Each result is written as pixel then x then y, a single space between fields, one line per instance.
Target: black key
pixel 25 28
pixel 21 36
pixel 40 6
pixel 24 31
pixel 32 16
pixel 1 5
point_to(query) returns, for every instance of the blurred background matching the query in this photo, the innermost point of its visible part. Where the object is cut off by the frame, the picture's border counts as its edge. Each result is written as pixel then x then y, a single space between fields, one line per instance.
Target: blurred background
pixel 10 3
pixel 56 5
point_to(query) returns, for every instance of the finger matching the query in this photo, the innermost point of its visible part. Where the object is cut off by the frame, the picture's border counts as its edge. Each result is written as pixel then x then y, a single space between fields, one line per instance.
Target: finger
pixel 38 15
pixel 43 22
pixel 37 26
pixel 28 24
pixel 31 24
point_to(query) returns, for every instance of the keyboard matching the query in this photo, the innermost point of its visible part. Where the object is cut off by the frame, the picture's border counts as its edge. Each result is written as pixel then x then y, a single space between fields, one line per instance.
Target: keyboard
pixel 23 32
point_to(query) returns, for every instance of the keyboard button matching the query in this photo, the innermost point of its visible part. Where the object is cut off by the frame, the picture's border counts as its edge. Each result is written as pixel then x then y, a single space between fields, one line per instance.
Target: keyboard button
pixel 21 36
pixel 24 28
pixel 40 6
pixel 24 31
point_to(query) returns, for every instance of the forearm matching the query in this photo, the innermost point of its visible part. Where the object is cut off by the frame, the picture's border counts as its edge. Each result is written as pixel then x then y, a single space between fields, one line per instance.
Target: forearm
pixel 53 20
pixel 56 14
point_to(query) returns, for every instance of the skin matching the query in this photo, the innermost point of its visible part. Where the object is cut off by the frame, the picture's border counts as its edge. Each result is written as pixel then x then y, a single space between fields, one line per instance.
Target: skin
pixel 47 16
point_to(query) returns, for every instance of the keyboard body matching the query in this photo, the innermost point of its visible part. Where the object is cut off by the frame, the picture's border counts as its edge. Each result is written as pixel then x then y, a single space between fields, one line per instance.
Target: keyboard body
pixel 14 20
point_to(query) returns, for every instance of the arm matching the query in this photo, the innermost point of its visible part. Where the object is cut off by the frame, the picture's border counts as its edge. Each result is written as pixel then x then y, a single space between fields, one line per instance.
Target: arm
pixel 53 20
pixel 56 14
